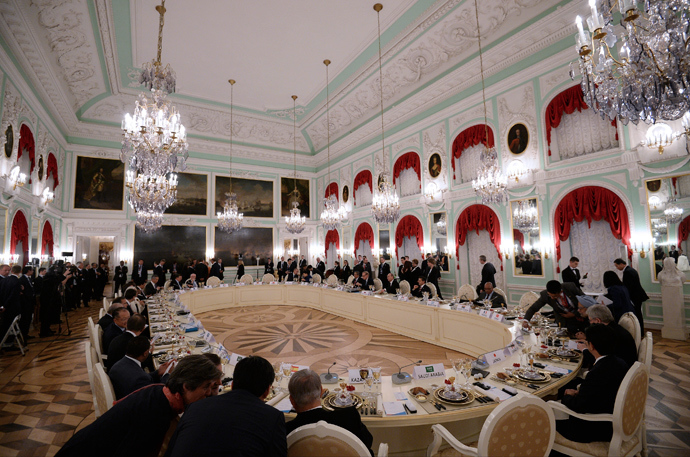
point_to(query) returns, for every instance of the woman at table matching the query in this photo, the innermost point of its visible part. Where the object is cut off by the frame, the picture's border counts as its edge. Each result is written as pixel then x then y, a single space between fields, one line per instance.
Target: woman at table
pixel 337 271
pixel 306 275
pixel 618 294
pixel 346 271
pixel 240 270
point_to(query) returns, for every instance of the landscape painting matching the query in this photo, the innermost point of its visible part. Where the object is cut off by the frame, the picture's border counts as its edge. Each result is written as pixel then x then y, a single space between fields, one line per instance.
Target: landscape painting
pixel 191 195
pixel 288 194
pixel 174 243
pixel 251 244
pixel 99 184
pixel 254 196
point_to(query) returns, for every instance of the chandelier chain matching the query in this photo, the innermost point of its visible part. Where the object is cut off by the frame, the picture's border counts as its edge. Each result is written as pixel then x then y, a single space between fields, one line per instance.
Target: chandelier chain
pixel 161 10
pixel 481 71
pixel 383 141
pixel 328 122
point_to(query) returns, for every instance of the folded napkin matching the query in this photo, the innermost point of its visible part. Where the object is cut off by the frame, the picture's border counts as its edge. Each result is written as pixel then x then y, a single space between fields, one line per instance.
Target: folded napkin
pixel 496 394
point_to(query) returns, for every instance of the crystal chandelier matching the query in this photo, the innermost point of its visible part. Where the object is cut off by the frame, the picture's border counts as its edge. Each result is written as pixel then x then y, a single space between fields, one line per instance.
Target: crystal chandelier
pixel 646 77
pixel 154 144
pixel 330 216
pixel 230 220
pixel 441 225
pixel 660 226
pixel 385 206
pixel 525 217
pixel 295 221
pixel 673 212
pixel 490 183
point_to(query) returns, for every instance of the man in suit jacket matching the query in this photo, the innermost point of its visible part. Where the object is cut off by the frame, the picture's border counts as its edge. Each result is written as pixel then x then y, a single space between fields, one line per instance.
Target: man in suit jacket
pixel 118 347
pixel 631 280
pixel 201 271
pixel 673 252
pixel 359 266
pixel 176 282
pixel 421 287
pixel 139 272
pixel 137 424
pixel 366 265
pixel 160 271
pixel 305 396
pixel 415 273
pixel 302 262
pixel 238 418
pixel 392 284
pixel 597 392
pixel 217 268
pixel 282 268
pixel 425 264
pixel 127 374
pixel 10 298
pixel 433 274
pixel 365 281
pixel 152 287
pixel 401 267
pixel 497 300
pixel 320 267
pixel 269 267
pixel 488 272
pixel 624 346
pixel 571 273
pixel 293 276
pixel 117 328
pixel 120 277
pixel 383 270
pixel 107 318
pixel 28 301
pixel 563 299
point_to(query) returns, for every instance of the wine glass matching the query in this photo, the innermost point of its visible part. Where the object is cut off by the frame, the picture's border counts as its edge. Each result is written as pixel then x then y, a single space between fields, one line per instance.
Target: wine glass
pixel 467 370
pixel 287 370
pixel 369 381
pixel 376 372
pixel 457 366
pixel 278 371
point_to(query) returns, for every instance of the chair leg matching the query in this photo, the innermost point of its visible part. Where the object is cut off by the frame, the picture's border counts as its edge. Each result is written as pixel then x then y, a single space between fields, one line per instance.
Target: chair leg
pixel 435 444
pixel 644 452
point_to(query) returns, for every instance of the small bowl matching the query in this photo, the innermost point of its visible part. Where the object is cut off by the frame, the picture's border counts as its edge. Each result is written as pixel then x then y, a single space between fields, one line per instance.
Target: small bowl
pixel 421 398
pixel 510 382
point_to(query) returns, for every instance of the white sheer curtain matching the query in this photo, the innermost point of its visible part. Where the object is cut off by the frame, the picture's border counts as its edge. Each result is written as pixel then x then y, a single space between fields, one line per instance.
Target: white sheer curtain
pixel 410 248
pixel 331 255
pixel 364 249
pixel 408 182
pixel 467 165
pixel 481 245
pixel 580 133
pixel 683 186
pixel 597 248
pixel 363 195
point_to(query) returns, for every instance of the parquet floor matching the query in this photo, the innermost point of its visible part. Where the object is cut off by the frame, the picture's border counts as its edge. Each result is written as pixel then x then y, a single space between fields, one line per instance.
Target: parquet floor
pixel 45 395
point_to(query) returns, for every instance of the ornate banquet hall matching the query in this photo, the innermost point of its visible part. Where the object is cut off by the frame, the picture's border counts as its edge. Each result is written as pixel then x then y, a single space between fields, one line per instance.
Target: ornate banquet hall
pixel 528 132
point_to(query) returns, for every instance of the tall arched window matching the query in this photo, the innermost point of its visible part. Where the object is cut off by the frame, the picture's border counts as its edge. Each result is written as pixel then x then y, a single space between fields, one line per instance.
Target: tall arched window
pixel 407 175
pixel 409 238
pixel 364 240
pixel 478 232
pixel 363 188
pixel 26 155
pixel 467 149
pixel 19 237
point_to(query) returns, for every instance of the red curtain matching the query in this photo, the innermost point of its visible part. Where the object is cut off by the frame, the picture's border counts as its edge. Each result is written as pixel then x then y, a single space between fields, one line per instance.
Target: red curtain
pixel 469 137
pixel 363 177
pixel 26 141
pixel 405 161
pixel 20 232
pixel 52 168
pixel 478 217
pixel 364 232
pixel 684 230
pixel 591 203
pixel 332 237
pixel 332 189
pixel 47 240
pixel 408 227
pixel 565 103
pixel 519 237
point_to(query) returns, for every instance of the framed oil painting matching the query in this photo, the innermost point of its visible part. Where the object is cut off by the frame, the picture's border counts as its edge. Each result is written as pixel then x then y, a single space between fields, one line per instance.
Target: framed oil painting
pixel 518 138
pixel 288 194
pixel 174 243
pixel 254 196
pixel 251 244
pixel 435 165
pixel 346 194
pixel 192 190
pixel 99 184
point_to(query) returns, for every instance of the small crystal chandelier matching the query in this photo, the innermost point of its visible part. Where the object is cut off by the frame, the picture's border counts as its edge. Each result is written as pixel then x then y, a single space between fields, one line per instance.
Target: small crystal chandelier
pixel 660 226
pixel 441 225
pixel 647 78
pixel 385 206
pixel 490 183
pixel 673 212
pixel 230 220
pixel 154 144
pixel 295 221
pixel 330 216
pixel 525 217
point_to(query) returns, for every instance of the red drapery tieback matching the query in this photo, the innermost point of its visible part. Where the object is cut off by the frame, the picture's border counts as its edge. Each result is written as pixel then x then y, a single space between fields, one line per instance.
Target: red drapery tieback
pixel 408 227
pixel 478 217
pixel 405 161
pixel 364 233
pixel 52 169
pixel 332 237
pixel 332 189
pixel 565 103
pixel 363 177
pixel 591 203
pixel 519 237
pixel 47 240
pixel 26 141
pixel 469 137
pixel 20 232
pixel 684 230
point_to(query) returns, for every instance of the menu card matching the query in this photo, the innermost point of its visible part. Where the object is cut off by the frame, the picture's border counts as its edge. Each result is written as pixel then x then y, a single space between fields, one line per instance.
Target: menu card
pixel 394 408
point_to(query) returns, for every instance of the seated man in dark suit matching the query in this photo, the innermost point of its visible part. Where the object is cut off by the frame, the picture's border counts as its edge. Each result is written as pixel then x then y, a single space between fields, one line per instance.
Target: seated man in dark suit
pixel 117 328
pixel 420 288
pixel 239 419
pixel 392 286
pixel 107 318
pixel 497 300
pixel 305 396
pixel 293 275
pixel 365 282
pixel 563 299
pixel 176 282
pixel 597 392
pixel 356 275
pixel 118 347
pixel 137 424
pixel 152 287
pixel 624 347
pixel 127 375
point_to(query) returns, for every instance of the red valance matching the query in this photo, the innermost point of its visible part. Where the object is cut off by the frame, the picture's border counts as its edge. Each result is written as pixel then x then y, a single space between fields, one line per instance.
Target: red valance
pixel 20 232
pixel 363 177
pixel 332 237
pixel 332 189
pixel 52 169
pixel 469 137
pixel 405 161
pixel 565 103
pixel 684 230
pixel 364 232
pixel 478 217
pixel 519 237
pixel 408 227
pixel 47 240
pixel 591 203
pixel 26 141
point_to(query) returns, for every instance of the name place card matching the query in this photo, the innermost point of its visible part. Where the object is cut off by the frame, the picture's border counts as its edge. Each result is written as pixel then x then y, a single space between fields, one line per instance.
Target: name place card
pixel 465 308
pixel 485 313
pixel 498 317
pixel 234 358
pixel 289 282
pixel 353 376
pixel 340 288
pixel 367 292
pixel 273 283
pixel 403 298
pixel 437 370
pixel 257 283
pixel 433 303
pixel 239 284
pixel 316 284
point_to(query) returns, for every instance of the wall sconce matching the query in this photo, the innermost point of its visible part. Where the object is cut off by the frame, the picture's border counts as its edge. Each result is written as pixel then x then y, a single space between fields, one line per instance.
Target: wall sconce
pixel 210 253
pixel 47 196
pixel 431 191
pixel 13 258
pixel 45 258
pixel 83 257
pixel 660 136
pixel 641 246
pixel 448 251
pixel 516 170
pixel 506 250
pixel 17 178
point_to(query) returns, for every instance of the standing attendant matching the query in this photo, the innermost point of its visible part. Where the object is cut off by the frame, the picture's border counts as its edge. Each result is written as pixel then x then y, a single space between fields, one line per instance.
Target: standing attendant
pixel 337 271
pixel 269 268
pixel 282 268
pixel 384 269
pixel 320 267
pixel 433 275
pixel 347 272
pixel 140 272
pixel 217 268
pixel 120 277
pixel 28 302
pixel 631 280
pixel 240 269
pixel 201 271
pixel 10 298
pixel 572 274
pixel 488 273
pixel 302 262
pixel 160 271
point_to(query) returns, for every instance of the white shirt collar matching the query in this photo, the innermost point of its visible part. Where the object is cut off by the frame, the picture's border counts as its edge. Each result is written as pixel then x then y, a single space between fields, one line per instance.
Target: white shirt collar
pixel 135 360
pixel 129 331
pixel 600 357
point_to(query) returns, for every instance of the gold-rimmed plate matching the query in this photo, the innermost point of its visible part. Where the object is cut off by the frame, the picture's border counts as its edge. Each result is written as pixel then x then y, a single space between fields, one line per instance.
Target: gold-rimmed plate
pixel 542 376
pixel 464 400
pixel 330 403
pixel 568 355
